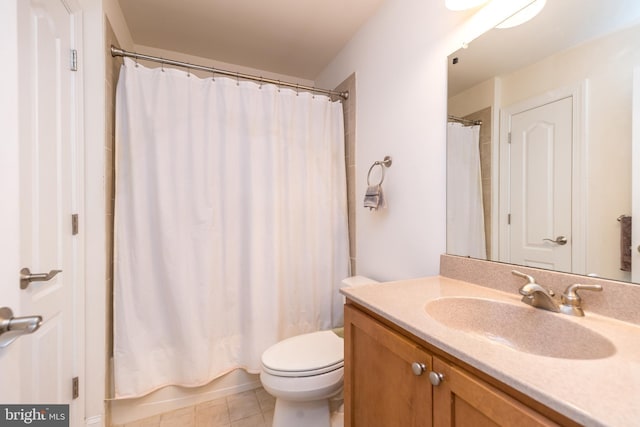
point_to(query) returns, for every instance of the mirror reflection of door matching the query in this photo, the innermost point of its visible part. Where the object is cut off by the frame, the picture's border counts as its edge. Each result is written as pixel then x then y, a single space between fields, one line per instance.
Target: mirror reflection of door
pixel 540 170
pixel 586 49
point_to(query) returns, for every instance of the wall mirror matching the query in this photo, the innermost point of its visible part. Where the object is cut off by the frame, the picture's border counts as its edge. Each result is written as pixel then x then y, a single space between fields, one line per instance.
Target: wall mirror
pixel 549 182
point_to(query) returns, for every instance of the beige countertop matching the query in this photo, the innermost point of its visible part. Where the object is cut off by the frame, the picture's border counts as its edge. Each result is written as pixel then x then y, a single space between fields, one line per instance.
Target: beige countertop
pixel 593 392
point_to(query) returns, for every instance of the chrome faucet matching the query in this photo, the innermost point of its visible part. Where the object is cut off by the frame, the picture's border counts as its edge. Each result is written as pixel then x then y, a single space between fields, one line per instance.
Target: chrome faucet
pixel 535 295
pixel 571 303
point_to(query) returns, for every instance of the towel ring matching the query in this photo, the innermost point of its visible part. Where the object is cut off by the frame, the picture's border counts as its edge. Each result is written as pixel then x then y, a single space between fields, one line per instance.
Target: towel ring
pixel 383 165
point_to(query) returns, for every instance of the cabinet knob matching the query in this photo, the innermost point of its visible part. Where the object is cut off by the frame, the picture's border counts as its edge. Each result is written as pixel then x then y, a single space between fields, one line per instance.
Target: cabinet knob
pixel 435 378
pixel 418 368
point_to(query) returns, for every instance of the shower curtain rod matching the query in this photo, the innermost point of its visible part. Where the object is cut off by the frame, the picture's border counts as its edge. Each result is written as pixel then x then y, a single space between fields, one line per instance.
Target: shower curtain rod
pixel 464 121
pixel 120 52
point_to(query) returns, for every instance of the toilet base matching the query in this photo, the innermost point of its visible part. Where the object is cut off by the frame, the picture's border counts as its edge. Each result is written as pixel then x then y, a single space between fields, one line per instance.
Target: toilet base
pixel 337 417
pixel 313 413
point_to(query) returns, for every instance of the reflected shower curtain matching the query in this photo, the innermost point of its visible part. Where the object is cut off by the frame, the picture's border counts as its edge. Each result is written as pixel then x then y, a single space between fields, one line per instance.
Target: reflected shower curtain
pixel 465 214
pixel 231 224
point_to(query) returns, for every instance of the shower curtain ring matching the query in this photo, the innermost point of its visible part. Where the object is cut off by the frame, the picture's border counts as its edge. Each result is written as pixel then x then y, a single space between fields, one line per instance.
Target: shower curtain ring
pixel 237 79
pixel 261 81
pixel 162 66
pixel 213 75
pixel 297 89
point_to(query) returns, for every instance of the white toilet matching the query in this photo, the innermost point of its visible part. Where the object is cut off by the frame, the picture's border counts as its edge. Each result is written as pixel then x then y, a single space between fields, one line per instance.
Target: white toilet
pixel 304 372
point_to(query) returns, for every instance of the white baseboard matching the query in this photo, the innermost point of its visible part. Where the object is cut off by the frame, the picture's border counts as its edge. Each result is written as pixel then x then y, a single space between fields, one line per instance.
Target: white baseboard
pixel 172 398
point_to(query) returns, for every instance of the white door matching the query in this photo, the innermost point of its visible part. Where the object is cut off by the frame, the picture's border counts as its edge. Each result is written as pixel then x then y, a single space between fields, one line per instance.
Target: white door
pixel 39 195
pixel 540 186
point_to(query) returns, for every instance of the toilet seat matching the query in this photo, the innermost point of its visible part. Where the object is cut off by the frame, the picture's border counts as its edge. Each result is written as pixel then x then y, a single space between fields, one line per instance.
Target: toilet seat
pixel 305 355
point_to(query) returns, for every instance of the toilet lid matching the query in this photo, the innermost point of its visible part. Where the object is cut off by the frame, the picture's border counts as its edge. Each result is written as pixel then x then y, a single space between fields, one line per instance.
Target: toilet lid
pixel 305 355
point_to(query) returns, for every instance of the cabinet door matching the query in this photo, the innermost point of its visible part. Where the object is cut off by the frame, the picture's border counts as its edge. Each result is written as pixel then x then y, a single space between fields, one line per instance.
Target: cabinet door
pixel 464 400
pixel 381 389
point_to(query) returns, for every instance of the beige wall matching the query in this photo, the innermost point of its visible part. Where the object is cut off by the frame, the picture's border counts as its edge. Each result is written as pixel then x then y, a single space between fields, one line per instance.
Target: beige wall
pixel 112 71
pixel 473 99
pixel 349 111
pixel 112 68
pixel 399 58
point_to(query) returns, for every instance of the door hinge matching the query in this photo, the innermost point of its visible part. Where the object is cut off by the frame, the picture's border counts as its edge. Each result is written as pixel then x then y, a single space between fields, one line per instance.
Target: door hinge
pixel 74 60
pixel 75 387
pixel 509 138
pixel 74 224
pixel 508 219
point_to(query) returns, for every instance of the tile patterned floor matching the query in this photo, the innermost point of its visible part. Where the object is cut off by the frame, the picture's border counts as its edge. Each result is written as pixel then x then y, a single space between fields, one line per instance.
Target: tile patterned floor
pixel 253 408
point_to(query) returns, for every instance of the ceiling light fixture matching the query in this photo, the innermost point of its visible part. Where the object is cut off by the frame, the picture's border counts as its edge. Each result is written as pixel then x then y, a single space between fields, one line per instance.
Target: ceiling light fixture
pixel 463 4
pixel 523 15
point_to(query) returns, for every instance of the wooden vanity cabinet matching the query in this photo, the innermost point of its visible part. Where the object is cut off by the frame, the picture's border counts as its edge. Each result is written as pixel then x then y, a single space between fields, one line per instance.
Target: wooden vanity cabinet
pixel 461 400
pixel 381 388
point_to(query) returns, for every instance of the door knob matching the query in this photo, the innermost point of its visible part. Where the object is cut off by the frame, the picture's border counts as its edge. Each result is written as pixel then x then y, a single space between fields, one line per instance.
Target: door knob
pixel 435 378
pixel 418 368
pixel 26 277
pixel 560 240
pixel 13 327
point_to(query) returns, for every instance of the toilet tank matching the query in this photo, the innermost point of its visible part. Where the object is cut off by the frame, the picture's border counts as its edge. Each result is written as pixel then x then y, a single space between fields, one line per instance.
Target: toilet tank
pixel 353 281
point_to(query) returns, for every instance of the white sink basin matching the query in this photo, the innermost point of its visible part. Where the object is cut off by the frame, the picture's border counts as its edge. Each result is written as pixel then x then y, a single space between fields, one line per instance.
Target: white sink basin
pixel 522 328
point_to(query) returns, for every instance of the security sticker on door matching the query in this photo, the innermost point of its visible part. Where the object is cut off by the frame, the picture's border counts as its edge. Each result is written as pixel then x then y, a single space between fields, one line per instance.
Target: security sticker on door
pixel 34 415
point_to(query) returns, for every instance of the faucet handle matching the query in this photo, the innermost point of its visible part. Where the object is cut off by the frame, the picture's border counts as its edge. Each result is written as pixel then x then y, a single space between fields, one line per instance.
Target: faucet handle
pixel 571 303
pixel 526 289
pixel 571 293
pixel 530 279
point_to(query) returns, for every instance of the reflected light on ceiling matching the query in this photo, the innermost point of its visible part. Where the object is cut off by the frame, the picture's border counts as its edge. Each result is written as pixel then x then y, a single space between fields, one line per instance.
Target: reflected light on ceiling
pixel 524 15
pixel 463 4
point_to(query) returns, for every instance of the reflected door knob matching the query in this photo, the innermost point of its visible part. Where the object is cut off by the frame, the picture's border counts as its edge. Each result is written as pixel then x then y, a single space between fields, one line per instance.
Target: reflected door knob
pixel 435 378
pixel 560 240
pixel 418 368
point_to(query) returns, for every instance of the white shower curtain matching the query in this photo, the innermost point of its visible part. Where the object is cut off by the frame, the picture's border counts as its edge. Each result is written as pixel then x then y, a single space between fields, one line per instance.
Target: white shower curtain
pixel 465 215
pixel 231 224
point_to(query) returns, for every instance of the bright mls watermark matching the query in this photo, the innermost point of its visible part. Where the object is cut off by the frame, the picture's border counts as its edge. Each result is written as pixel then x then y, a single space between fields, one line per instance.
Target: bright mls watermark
pixel 34 415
